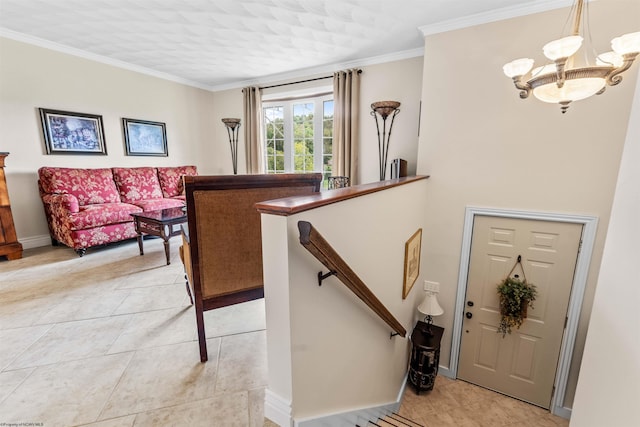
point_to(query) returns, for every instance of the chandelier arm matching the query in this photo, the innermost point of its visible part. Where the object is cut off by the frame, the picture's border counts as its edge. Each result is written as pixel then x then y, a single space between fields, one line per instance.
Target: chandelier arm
pixel 576 22
pixel 614 77
pixel 561 72
pixel 525 88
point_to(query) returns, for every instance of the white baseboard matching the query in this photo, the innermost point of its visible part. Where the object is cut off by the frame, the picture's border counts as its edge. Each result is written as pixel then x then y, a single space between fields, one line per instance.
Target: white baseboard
pixel 356 416
pixel 562 411
pixel 35 241
pixel 446 372
pixel 277 409
pixel 350 418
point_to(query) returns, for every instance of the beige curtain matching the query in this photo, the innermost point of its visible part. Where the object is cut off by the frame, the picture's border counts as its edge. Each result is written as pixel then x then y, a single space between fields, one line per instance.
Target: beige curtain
pixel 252 101
pixel 346 117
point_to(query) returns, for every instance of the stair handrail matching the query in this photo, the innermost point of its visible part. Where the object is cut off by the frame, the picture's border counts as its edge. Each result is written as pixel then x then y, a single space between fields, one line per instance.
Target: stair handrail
pixel 313 241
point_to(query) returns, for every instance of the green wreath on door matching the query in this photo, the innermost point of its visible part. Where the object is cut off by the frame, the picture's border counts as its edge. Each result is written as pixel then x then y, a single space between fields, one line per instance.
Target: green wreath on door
pixel 516 296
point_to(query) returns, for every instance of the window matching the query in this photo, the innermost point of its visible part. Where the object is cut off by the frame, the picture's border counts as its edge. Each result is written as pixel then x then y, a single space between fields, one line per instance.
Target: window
pixel 299 135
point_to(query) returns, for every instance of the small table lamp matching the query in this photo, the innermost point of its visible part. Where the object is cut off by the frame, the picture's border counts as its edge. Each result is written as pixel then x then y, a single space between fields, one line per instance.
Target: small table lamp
pixel 430 307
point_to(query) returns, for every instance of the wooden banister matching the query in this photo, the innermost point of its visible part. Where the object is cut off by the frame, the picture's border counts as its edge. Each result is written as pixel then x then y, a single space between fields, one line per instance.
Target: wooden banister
pixel 322 250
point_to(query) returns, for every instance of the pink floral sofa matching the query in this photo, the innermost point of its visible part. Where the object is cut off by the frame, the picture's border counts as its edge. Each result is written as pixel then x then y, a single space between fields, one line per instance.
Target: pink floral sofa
pixel 90 207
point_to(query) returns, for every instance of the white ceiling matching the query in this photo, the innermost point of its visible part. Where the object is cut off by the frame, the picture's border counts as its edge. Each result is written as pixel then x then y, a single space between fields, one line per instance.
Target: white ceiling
pixel 225 43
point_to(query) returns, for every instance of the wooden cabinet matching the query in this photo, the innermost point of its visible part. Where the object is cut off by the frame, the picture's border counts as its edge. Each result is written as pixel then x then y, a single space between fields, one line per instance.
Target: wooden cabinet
pixel 9 245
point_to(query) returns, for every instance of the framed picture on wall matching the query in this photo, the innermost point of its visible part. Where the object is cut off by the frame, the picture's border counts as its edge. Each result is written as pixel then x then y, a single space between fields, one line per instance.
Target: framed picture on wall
pixel 66 132
pixel 411 262
pixel 145 138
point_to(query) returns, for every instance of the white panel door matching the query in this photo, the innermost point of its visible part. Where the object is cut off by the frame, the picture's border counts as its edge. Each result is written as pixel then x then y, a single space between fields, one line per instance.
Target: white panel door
pixel 523 363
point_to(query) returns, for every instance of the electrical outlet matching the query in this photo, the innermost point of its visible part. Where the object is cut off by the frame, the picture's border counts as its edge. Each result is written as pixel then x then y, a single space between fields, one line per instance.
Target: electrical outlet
pixel 431 286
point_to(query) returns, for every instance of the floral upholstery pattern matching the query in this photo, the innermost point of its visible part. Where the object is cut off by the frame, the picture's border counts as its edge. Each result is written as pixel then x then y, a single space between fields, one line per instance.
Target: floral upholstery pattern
pixel 137 184
pixel 171 179
pixel 89 186
pixel 99 215
pixel 101 235
pixel 62 204
pixel 155 204
pixel 90 207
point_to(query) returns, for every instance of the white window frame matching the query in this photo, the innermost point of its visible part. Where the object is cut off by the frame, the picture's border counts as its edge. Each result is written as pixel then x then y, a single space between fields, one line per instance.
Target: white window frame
pixel 318 129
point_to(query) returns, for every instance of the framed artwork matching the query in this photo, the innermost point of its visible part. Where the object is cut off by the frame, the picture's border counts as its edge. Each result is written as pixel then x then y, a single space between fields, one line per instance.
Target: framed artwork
pixel 72 133
pixel 411 262
pixel 145 138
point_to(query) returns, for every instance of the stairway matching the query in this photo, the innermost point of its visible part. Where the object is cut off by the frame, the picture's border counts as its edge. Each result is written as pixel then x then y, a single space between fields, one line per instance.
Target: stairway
pixel 393 420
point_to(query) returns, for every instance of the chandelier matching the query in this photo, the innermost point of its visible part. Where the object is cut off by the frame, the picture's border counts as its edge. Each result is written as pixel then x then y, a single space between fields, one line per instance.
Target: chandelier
pixel 563 80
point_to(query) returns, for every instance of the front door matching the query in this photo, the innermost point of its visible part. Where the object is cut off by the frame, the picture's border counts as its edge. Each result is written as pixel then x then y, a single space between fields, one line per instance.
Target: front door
pixel 523 363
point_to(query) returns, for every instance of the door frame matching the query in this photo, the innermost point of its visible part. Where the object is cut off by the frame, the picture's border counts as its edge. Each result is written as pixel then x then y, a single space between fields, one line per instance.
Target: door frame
pixel 583 262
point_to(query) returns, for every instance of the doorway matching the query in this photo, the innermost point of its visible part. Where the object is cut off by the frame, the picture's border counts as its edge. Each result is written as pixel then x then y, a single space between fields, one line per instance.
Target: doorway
pixel 521 364
pixel 588 225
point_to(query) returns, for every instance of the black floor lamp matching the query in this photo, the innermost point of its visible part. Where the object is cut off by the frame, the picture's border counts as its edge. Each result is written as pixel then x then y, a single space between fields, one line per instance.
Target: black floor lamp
pixel 233 128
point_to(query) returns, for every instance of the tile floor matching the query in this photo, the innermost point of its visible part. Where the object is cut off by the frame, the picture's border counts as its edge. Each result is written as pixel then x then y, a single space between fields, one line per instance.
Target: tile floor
pixel 109 340
pixel 454 403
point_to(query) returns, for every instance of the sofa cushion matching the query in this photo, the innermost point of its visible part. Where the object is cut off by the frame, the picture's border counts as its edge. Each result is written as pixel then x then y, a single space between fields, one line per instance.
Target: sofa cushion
pixel 171 179
pixel 156 204
pixel 104 214
pixel 137 184
pixel 89 186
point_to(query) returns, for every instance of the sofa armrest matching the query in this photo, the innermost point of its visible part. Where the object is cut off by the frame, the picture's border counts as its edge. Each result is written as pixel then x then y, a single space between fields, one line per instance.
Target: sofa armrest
pixel 61 204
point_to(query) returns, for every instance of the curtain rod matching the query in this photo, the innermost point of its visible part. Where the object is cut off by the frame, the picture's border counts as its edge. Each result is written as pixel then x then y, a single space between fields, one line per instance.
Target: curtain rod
pixel 302 81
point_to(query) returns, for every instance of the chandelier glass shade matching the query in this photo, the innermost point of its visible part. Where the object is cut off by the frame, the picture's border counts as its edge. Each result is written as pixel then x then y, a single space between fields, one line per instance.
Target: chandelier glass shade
pixel 563 81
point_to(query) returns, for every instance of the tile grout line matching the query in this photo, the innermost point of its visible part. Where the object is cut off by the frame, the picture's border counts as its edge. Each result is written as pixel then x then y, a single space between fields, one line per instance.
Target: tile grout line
pixel 115 386
pixel 5 368
pixel 215 385
pixel 33 369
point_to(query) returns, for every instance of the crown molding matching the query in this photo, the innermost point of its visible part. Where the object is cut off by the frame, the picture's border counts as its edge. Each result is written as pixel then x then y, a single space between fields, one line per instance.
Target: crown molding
pixel 494 15
pixel 323 69
pixel 36 41
pixel 395 56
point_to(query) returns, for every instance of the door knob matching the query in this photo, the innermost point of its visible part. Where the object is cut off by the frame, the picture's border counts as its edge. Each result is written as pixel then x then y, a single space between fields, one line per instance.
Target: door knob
pixel 469 315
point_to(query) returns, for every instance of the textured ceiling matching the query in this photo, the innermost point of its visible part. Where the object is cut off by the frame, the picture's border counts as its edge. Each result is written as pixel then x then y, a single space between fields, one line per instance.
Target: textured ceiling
pixel 214 43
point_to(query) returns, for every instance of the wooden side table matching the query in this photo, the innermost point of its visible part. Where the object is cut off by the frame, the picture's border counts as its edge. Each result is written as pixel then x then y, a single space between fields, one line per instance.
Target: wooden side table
pixel 9 245
pixel 425 356
pixel 159 223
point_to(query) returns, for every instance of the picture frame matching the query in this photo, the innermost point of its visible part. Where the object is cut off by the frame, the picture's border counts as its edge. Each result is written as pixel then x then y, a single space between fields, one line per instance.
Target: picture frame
pixel 145 138
pixel 66 132
pixel 412 249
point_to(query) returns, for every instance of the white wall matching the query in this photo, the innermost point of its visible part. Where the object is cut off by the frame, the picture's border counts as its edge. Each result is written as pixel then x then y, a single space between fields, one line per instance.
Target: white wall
pixel 484 146
pixel 609 385
pixel 32 77
pixel 329 352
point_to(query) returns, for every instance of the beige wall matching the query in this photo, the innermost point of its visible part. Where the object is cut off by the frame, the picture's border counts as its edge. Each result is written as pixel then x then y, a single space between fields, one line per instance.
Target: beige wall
pixel 396 80
pixel 32 77
pixel 609 385
pixel 483 146
pixel 226 103
pixel 392 81
pixel 327 351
